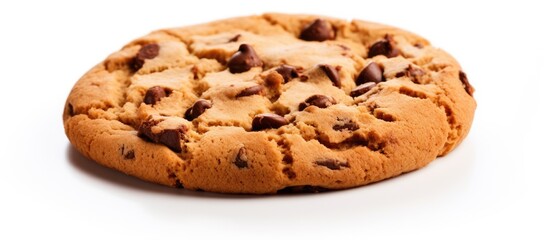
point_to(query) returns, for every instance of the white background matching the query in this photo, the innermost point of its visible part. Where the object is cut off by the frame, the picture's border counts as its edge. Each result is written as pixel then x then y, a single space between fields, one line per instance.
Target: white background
pixel 492 186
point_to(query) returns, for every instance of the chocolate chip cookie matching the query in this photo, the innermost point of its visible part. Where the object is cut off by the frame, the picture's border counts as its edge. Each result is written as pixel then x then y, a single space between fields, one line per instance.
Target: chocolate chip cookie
pixel 271 103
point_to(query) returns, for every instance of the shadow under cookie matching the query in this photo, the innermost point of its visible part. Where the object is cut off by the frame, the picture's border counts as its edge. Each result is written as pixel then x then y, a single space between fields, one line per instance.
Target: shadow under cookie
pixel 91 168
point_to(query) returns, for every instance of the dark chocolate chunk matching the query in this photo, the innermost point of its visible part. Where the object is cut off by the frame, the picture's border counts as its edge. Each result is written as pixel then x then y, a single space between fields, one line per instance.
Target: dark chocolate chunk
pixel 244 59
pixel 268 120
pixel 371 73
pixel 384 47
pixel 332 164
pixel 345 124
pixel 319 30
pixel 148 51
pixel 362 89
pixel 169 137
pixel 468 87
pixel 199 107
pixel 287 72
pixel 332 74
pixel 154 94
pixel 318 100
pixel 253 90
pixel 241 160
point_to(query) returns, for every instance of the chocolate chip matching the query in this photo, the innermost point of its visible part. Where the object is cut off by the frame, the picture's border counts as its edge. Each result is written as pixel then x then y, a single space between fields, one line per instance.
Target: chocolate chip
pixel 197 109
pixel 268 120
pixel 411 72
pixel 253 90
pixel 127 154
pixel 371 73
pixel 362 89
pixel 332 74
pixel 145 129
pixel 169 137
pixel 468 87
pixel 414 72
pixel 155 94
pixel 241 161
pixel 289 172
pixel 70 110
pixel 235 38
pixel 178 184
pixel 345 124
pixel 332 164
pixel 319 30
pixel 148 51
pixel 287 72
pixel 318 100
pixel 303 189
pixel 288 159
pixel 244 59
pixel 384 47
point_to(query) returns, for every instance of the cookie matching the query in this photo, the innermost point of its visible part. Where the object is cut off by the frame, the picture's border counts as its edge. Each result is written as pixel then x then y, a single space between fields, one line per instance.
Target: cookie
pixel 271 103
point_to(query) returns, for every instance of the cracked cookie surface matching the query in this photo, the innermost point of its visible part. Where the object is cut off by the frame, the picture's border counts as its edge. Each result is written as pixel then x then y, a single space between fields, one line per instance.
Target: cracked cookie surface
pixel 271 103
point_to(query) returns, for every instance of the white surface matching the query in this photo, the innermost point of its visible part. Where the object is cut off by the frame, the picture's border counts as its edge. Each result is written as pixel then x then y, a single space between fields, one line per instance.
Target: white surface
pixel 494 185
